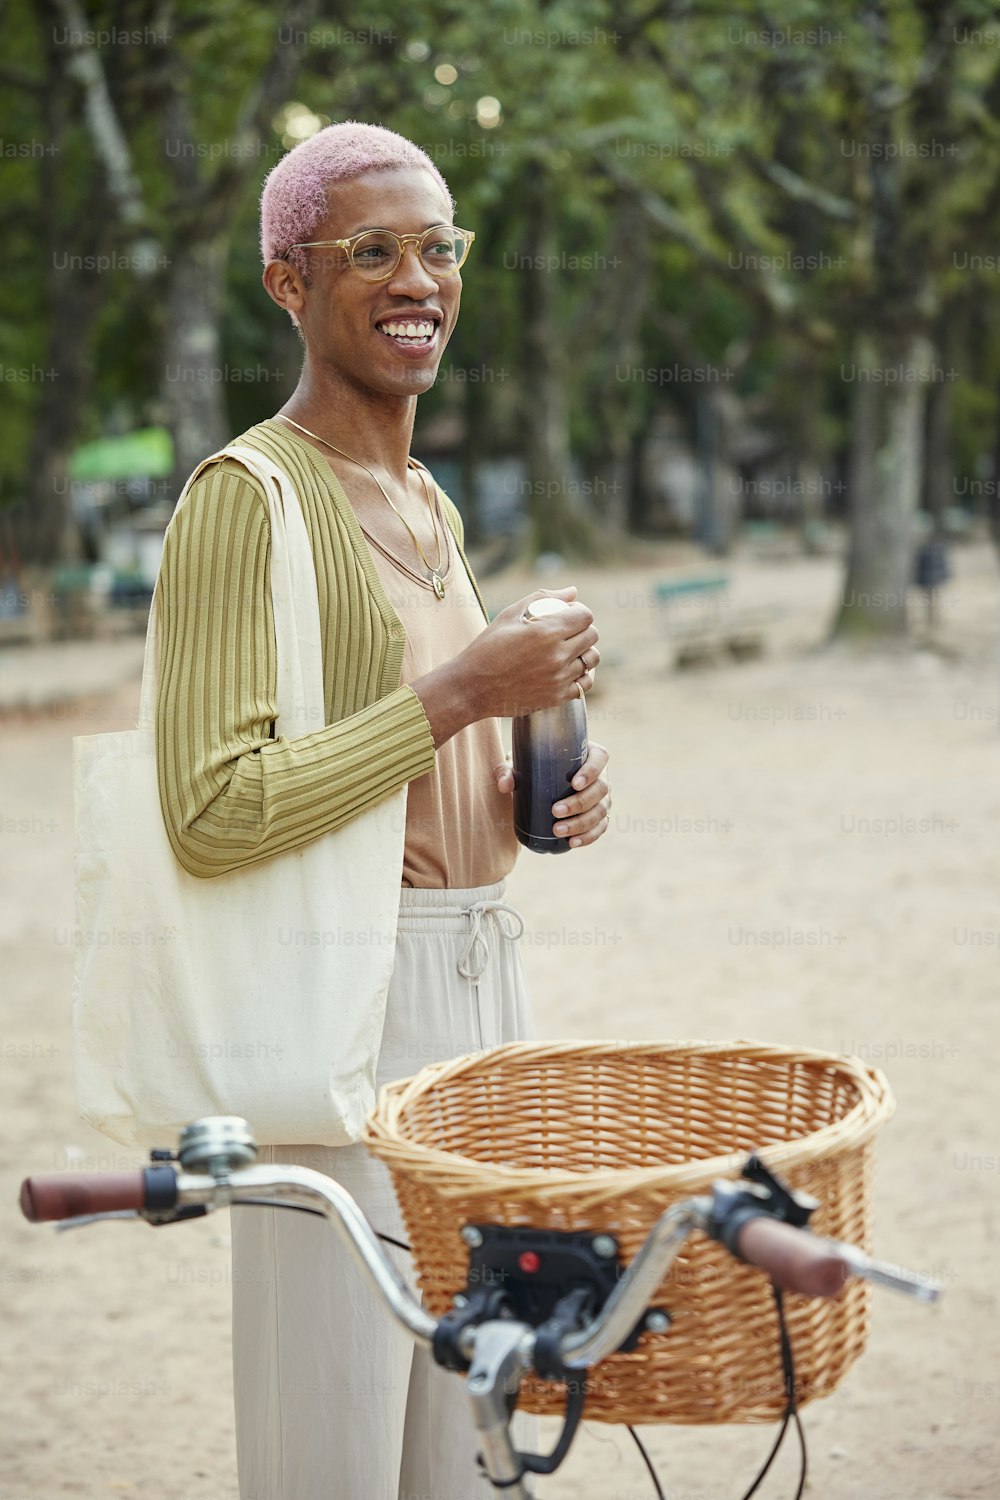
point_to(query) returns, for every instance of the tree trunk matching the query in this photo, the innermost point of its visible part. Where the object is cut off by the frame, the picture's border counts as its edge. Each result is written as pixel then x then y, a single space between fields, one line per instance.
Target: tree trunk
pixel 476 411
pixel 720 511
pixel 939 464
pixel 43 527
pixel 638 500
pixel 480 392
pixel 205 201
pixel 193 385
pixel 546 419
pixel 885 483
pixel 557 521
pixel 618 320
pixel 809 468
pixel 939 472
pixel 993 489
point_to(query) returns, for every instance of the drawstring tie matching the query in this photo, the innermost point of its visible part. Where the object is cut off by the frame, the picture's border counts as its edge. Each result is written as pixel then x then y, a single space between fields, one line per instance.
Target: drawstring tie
pixel 510 925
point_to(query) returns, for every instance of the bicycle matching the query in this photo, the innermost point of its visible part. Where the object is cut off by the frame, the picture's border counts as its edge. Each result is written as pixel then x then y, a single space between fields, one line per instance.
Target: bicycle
pixel 539 1301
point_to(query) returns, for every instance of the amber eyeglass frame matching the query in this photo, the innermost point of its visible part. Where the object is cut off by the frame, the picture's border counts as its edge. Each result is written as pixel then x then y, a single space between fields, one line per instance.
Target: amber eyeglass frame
pixel 402 240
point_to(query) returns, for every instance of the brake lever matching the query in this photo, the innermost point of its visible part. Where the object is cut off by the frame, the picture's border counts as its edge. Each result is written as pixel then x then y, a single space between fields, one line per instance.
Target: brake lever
pixel 157 1220
pixel 82 1220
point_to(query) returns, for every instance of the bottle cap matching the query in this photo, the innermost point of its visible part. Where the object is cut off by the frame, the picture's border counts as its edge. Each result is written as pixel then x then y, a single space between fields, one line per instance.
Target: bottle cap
pixel 539 608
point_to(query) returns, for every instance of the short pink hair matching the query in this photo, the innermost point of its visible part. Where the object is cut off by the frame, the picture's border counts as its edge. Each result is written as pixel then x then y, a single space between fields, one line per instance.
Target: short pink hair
pixel 294 198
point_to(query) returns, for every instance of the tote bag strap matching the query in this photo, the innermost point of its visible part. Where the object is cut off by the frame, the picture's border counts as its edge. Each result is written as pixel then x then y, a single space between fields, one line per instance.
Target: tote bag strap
pixel 294 598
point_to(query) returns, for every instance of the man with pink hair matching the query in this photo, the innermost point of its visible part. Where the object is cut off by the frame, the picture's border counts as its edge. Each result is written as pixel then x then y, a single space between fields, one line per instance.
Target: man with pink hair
pixel 294 200
pixel 360 249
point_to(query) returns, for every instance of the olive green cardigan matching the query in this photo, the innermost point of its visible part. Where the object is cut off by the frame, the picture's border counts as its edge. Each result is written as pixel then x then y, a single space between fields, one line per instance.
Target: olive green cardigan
pixel 230 793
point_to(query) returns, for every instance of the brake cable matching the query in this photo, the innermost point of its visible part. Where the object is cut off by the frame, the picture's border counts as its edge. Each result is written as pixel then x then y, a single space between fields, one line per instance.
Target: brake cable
pixel 791 1406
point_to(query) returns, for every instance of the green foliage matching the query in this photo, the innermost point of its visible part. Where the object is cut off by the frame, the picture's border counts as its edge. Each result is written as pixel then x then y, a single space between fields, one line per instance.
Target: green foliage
pixel 766 237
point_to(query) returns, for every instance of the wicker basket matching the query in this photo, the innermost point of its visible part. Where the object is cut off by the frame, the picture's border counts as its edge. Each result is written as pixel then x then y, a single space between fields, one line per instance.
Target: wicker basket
pixel 605 1136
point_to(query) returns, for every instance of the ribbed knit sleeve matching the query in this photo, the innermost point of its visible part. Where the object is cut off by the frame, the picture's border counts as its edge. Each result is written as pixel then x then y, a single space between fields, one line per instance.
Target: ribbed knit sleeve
pixel 230 793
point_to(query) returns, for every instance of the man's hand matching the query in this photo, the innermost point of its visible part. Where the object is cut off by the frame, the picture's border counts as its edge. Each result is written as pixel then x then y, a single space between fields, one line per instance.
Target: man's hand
pixel 582 817
pixel 513 667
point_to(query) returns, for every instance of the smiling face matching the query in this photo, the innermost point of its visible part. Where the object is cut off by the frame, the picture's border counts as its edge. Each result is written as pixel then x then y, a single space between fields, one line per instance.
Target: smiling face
pixel 344 318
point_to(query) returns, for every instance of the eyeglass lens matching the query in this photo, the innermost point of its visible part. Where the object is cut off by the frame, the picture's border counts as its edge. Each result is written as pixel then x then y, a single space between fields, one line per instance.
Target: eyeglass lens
pixel 376 255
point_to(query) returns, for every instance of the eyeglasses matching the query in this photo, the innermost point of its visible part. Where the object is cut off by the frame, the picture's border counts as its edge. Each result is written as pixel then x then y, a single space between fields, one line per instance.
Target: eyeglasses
pixel 376 253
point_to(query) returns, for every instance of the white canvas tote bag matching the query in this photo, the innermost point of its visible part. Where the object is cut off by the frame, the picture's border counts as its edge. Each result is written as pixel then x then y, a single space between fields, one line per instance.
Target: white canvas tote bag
pixel 260 992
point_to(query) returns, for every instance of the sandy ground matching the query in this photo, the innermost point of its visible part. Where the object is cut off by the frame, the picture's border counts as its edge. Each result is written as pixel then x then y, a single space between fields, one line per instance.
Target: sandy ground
pixel 754 884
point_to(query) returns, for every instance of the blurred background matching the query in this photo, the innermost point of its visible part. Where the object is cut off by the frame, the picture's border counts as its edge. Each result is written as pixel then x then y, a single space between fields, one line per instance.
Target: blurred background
pixel 733 277
pixel 729 360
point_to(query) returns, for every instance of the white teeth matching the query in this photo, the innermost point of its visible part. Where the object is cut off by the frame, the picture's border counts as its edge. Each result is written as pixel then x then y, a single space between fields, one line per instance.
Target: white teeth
pixel 408 330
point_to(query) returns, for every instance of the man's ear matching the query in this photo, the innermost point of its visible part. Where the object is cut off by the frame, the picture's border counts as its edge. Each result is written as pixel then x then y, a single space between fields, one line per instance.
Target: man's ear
pixel 284 285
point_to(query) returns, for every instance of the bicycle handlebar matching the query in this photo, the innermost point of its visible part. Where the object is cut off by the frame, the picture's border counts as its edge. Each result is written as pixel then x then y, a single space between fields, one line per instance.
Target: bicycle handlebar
pixel 70 1195
pixel 215 1170
pixel 794 1260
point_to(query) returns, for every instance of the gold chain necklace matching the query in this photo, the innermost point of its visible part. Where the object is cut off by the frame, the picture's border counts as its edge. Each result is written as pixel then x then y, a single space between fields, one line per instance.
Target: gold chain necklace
pixel 437 582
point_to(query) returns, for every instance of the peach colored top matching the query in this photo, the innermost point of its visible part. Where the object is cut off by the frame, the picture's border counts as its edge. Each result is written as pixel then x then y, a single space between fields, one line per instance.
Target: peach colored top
pixel 459 831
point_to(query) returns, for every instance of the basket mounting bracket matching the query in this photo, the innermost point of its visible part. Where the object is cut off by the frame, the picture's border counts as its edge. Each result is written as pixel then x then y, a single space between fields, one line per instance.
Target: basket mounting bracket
pixel 556 1281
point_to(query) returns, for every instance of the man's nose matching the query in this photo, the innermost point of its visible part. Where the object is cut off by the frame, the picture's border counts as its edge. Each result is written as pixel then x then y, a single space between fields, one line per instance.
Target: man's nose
pixel 412 273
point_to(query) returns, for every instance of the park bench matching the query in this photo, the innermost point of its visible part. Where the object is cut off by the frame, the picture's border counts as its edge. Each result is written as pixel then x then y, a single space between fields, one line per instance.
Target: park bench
pixel 701 623
pixel 769 541
pixel 23 610
pixel 93 601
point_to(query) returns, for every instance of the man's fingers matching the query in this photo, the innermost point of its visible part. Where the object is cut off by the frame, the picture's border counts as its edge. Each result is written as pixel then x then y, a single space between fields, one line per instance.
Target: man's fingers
pixel 504 777
pixel 592 832
pixel 593 766
pixel 583 640
pixel 583 817
pixel 582 802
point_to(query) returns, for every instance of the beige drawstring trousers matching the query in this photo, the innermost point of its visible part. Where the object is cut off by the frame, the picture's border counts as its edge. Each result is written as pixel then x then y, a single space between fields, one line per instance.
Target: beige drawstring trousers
pixel 333 1400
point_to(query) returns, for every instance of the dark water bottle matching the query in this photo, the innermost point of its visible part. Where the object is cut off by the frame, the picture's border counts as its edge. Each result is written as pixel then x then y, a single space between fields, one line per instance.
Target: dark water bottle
pixel 548 747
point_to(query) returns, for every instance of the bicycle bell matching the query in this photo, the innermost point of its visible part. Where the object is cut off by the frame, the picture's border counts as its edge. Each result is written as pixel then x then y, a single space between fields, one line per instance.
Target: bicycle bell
pixel 219 1144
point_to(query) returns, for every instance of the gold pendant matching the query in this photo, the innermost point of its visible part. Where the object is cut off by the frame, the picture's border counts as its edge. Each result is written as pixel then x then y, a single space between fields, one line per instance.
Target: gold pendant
pixel 438 584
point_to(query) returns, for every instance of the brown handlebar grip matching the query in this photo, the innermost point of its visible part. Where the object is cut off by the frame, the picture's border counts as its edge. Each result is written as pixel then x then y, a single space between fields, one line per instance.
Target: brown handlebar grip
pixel 66 1195
pixel 794 1259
